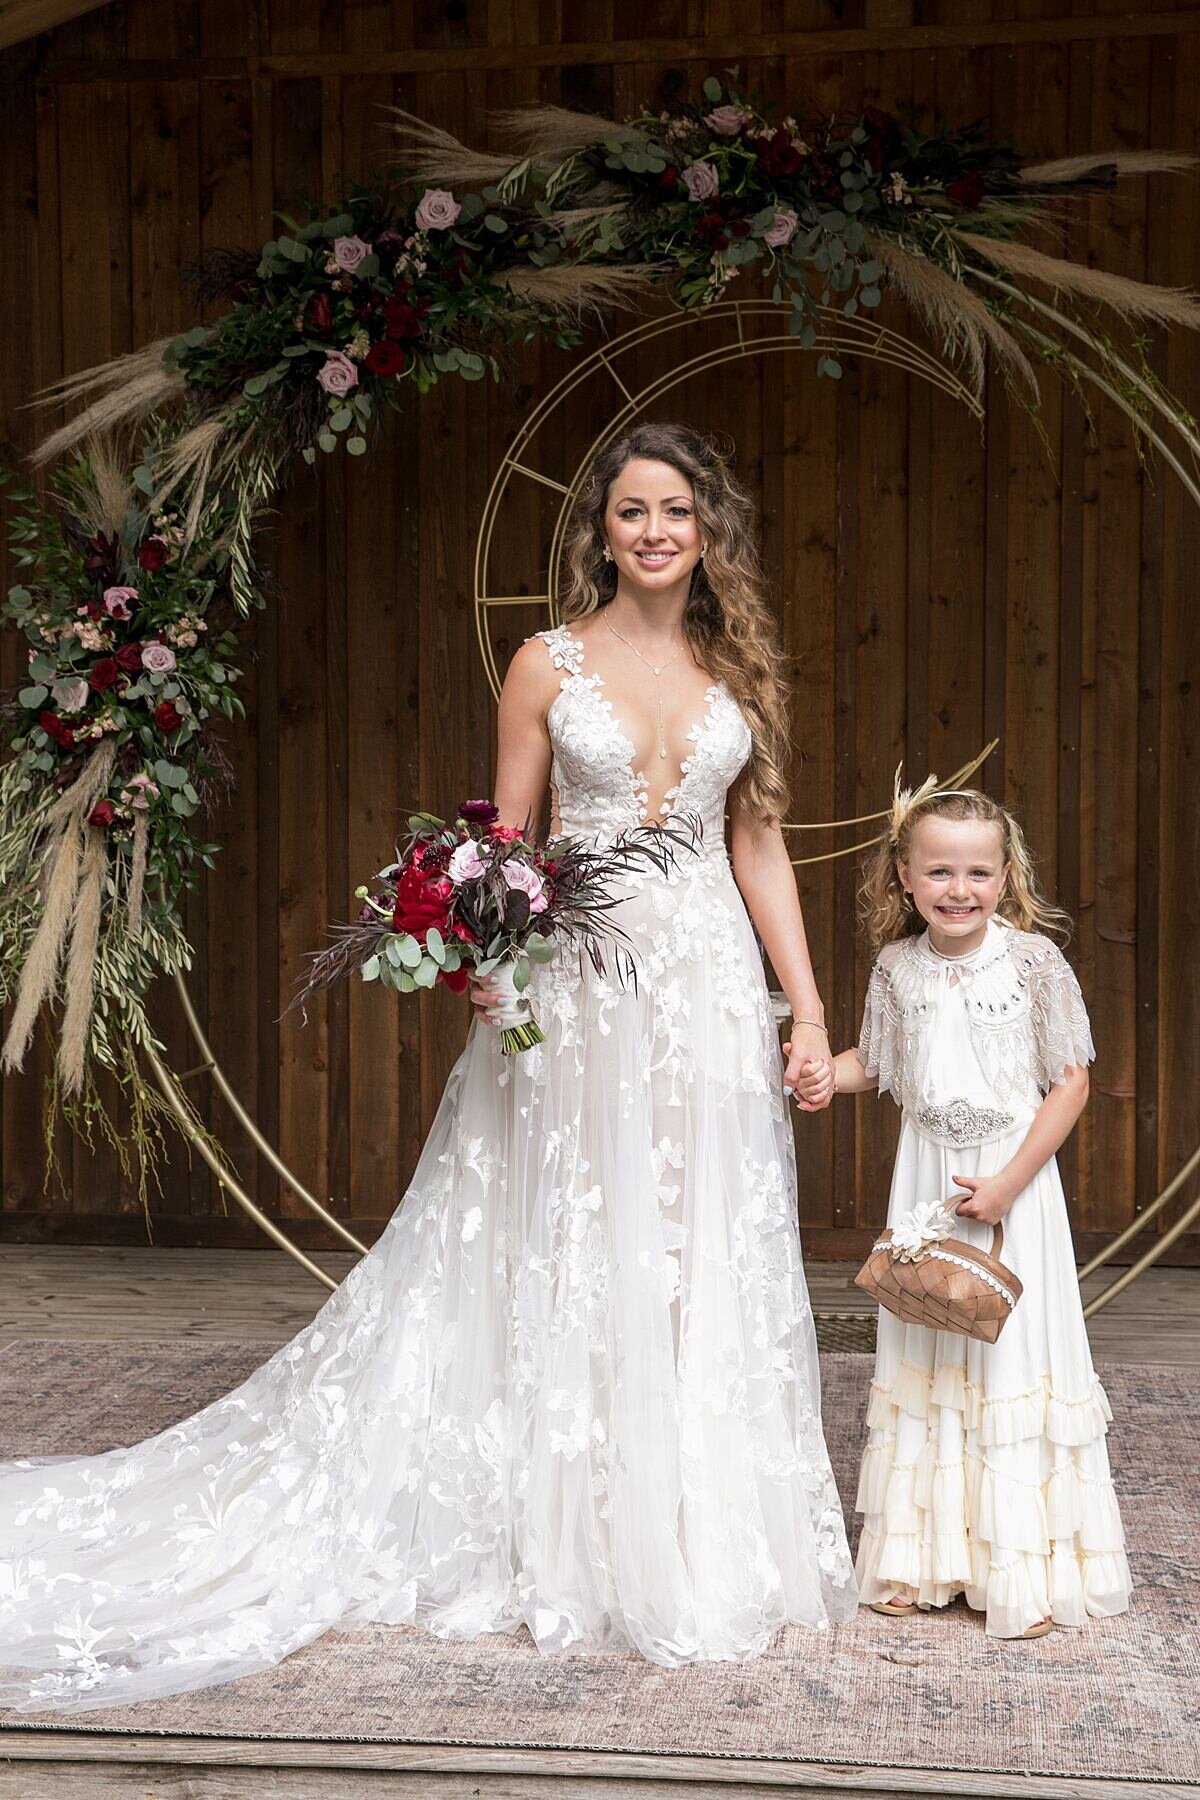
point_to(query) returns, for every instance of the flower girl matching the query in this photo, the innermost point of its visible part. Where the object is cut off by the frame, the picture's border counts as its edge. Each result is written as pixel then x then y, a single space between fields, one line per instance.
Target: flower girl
pixel 986 1471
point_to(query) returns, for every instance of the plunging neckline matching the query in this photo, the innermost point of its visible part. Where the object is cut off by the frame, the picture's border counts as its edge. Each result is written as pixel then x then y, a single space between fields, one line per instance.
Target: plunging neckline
pixel 639 787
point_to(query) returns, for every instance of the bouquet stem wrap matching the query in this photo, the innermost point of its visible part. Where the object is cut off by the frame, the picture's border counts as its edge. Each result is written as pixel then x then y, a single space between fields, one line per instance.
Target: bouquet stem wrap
pixel 514 1012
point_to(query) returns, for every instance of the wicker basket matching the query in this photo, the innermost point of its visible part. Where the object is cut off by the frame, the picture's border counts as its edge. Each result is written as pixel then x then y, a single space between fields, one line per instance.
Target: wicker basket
pixel 948 1286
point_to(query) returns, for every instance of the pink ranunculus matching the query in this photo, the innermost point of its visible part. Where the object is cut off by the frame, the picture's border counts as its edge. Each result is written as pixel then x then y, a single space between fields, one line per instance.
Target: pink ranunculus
pixel 782 228
pixel 726 121
pixel 159 659
pixel 701 181
pixel 465 863
pixel 141 792
pixel 119 601
pixel 519 875
pixel 337 374
pixel 348 253
pixel 437 211
pixel 70 696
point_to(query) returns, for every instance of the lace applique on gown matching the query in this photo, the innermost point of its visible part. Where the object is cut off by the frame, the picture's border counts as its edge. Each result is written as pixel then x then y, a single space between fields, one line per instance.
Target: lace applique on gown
pixel 573 1386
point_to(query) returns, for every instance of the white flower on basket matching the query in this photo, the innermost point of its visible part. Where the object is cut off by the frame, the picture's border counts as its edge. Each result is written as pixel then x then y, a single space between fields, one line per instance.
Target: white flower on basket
pixel 915 1232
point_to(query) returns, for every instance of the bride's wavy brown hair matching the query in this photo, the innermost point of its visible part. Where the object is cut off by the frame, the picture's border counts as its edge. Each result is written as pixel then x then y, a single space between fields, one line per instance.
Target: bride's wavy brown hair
pixel 726 621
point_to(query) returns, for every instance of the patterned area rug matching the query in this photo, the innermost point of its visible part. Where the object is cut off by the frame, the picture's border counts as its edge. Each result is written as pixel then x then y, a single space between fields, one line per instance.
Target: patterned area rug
pixel 1119 1699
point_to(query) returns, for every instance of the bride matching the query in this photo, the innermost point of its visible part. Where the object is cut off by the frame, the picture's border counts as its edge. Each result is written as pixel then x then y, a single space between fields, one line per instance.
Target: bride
pixel 574 1385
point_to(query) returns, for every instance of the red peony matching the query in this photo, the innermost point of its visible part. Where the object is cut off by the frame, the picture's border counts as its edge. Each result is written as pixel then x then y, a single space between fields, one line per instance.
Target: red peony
pixel 103 813
pixel 386 358
pixel 129 658
pixel 167 717
pixel 777 156
pixel 153 553
pixel 421 901
pixel 53 726
pixel 104 673
pixel 966 191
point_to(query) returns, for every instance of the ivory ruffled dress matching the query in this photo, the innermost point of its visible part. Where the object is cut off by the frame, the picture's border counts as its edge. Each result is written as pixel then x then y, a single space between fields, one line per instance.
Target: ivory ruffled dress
pixel 986 1471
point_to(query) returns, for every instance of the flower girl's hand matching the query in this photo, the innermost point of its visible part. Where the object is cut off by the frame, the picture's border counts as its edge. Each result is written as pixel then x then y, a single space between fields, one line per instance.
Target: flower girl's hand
pixel 810 1081
pixel 988 1201
pixel 482 995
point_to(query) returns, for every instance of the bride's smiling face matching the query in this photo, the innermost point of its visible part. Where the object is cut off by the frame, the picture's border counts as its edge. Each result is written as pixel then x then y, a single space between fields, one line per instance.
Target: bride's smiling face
pixel 650 525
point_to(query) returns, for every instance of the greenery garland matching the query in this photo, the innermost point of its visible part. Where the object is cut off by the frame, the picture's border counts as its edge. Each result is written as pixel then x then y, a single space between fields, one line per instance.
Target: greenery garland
pixel 134 576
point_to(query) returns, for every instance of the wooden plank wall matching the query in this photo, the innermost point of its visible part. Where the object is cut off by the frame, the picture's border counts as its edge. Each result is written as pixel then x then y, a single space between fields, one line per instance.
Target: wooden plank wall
pixel 936 585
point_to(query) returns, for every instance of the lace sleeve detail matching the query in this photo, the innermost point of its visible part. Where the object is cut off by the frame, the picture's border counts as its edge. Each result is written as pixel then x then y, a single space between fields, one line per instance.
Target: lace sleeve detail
pixel 881 1040
pixel 565 651
pixel 1061 1029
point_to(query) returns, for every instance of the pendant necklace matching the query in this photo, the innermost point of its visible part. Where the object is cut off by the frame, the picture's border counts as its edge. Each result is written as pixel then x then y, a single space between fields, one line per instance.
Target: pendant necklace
pixel 656 672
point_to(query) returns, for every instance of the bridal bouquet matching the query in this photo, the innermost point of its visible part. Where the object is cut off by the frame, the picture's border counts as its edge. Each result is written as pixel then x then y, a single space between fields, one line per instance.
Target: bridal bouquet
pixel 495 899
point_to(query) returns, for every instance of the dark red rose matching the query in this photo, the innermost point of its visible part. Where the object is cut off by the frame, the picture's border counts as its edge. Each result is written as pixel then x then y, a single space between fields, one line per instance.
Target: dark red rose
pixel 152 554
pixel 53 726
pixel 456 979
pixel 421 902
pixel 479 812
pixel 388 245
pixel 883 137
pixel 403 320
pixel 129 658
pixel 167 717
pixel 385 358
pixel 103 813
pixel 669 178
pixel 104 673
pixel 463 931
pixel 320 313
pixel 739 228
pixel 966 191
pixel 825 178
pixel 778 157
pixel 711 226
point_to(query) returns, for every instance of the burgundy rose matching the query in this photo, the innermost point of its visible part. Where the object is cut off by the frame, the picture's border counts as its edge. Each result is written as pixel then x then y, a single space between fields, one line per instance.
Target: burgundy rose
pixel 479 812
pixel 460 929
pixel 883 139
pixel 966 191
pixel 422 901
pixel 129 659
pixel 320 313
pixel 403 321
pixel 389 245
pixel 825 177
pixel 669 178
pixel 103 813
pixel 153 553
pixel 778 157
pixel 385 358
pixel 167 717
pixel 53 726
pixel 104 673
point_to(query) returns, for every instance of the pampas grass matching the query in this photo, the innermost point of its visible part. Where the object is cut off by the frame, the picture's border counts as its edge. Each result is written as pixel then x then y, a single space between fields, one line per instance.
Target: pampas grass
pixel 952 311
pixel 437 157
pixel 1119 163
pixel 125 390
pixel 81 964
pixel 578 287
pixel 1132 299
pixel 550 134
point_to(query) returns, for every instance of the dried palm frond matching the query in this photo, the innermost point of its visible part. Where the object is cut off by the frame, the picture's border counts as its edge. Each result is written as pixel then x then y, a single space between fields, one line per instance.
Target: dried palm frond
pixel 575 287
pixel 125 390
pixel 1106 163
pixel 950 308
pixel 551 133
pixel 433 155
pixel 1133 299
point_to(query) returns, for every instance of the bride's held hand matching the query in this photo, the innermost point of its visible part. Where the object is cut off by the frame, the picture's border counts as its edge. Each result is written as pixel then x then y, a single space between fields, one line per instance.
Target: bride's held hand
pixel 809 1074
pixel 482 993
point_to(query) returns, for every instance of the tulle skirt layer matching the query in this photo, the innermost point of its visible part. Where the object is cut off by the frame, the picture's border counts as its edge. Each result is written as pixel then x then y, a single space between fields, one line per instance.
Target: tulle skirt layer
pixel 573 1386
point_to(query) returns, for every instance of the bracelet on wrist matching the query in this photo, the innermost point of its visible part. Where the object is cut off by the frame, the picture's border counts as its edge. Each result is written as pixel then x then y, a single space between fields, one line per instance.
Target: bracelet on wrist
pixel 815 1023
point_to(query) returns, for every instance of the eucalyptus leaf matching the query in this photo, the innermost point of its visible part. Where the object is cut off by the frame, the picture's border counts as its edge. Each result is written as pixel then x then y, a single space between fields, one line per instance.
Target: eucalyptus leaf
pixel 33 696
pixel 435 945
pixel 425 973
pixel 370 969
pixel 356 446
pixel 410 952
pixel 521 973
pixel 405 982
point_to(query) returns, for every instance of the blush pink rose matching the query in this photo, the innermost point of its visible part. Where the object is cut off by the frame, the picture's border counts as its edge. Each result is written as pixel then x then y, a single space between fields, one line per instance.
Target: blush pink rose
pixel 701 181
pixel 348 253
pixel 141 792
pixel 337 374
pixel 726 121
pixel 466 864
pixel 437 211
pixel 158 658
pixel 782 228
pixel 527 881
pixel 119 602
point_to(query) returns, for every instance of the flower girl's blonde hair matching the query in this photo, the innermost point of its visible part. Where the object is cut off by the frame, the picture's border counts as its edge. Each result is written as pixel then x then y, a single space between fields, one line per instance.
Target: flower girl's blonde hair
pixel 886 909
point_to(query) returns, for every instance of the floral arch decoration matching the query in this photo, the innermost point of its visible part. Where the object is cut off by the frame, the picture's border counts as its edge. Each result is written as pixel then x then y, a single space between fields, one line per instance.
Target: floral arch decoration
pixel 139 564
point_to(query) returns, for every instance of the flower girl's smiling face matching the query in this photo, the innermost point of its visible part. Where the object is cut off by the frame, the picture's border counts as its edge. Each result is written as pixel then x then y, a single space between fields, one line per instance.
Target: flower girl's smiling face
pixel 955 873
pixel 651 526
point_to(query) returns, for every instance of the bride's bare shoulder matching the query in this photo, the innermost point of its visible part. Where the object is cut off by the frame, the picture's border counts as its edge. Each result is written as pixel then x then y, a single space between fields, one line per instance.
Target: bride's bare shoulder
pixel 533 677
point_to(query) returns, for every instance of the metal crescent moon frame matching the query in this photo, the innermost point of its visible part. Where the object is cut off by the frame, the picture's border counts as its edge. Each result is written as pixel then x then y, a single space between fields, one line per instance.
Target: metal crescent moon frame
pixel 724 332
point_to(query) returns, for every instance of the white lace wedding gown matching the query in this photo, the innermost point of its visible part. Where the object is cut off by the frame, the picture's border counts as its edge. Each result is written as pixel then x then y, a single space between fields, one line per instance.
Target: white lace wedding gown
pixel 573 1386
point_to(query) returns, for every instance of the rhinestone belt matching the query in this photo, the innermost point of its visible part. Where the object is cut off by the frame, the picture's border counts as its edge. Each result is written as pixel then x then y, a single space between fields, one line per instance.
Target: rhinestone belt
pixel 959 1122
